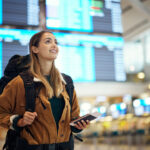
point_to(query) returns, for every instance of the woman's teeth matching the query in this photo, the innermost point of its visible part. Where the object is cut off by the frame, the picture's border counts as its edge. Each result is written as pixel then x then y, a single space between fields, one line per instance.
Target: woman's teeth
pixel 52 51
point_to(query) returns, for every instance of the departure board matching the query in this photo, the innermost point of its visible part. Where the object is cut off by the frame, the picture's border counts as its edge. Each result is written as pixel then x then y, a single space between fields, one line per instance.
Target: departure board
pixel 86 58
pixel 12 42
pixel 89 58
pixel 84 15
pixel 19 12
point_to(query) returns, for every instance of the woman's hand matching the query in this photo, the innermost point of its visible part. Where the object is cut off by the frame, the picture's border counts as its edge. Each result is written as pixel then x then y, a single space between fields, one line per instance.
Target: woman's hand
pixel 27 119
pixel 82 125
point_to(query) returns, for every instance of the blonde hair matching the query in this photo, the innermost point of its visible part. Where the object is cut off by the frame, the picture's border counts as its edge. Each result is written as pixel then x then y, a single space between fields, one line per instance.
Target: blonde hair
pixel 55 87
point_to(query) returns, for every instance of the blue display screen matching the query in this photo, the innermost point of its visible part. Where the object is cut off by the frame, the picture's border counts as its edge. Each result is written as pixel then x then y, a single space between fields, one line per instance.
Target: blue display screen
pixel 12 42
pixel 141 102
pixel 84 15
pixel 141 106
pixel 78 62
pixel 16 34
pixel 1 59
pixel 69 15
pixel 86 58
pixel 1 10
pixel 91 57
pixel 102 111
pixel 19 12
pixel 118 110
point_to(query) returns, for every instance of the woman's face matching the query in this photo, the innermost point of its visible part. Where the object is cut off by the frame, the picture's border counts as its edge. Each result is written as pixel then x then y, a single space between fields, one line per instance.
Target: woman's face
pixel 47 48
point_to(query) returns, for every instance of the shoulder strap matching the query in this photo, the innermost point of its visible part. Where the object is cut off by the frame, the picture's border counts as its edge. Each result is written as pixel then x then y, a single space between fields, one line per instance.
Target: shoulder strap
pixel 69 86
pixel 3 82
pixel 69 89
pixel 30 92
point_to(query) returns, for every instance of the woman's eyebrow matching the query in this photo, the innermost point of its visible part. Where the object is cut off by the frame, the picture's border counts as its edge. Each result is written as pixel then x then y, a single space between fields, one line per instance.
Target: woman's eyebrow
pixel 48 39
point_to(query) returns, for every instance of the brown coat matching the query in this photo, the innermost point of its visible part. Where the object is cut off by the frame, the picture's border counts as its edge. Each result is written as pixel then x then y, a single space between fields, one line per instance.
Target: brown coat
pixel 12 102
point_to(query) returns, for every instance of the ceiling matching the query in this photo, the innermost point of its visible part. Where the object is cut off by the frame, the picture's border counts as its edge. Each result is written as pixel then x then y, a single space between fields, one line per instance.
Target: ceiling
pixel 135 17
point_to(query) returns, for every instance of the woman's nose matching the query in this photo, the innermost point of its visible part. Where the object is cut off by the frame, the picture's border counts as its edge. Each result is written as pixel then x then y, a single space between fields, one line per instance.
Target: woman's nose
pixel 54 45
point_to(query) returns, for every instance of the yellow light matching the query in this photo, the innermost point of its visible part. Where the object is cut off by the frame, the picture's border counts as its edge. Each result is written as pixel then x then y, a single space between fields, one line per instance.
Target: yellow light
pixel 149 86
pixel 141 75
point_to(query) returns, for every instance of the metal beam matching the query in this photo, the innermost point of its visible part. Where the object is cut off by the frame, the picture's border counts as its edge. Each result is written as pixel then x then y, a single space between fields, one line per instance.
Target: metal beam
pixel 137 4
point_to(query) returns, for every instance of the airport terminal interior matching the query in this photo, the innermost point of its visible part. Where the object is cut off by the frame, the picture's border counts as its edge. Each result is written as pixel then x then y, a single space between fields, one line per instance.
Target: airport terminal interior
pixel 104 46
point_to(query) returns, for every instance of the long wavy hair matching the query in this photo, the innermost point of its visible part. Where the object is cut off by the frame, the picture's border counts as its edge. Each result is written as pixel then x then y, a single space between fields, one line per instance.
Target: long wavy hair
pixel 55 87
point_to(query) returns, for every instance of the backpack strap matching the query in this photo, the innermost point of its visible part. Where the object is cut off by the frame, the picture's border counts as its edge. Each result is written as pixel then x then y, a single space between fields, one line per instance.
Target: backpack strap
pixel 69 87
pixel 30 92
pixel 3 82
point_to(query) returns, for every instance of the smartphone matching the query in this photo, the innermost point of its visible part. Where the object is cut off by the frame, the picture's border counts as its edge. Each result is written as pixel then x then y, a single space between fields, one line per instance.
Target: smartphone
pixel 88 117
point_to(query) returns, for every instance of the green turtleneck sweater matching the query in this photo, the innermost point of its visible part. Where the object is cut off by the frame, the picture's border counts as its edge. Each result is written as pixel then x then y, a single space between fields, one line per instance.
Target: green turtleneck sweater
pixel 58 103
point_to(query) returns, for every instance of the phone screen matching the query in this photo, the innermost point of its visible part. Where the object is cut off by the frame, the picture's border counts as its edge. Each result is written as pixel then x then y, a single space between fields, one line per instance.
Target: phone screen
pixel 89 117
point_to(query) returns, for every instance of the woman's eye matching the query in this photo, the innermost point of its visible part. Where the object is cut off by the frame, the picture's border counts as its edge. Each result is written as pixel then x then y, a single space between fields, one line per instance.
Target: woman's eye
pixel 47 41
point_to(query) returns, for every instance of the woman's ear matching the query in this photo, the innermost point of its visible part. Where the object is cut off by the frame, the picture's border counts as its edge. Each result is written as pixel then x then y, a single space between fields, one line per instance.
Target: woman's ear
pixel 34 49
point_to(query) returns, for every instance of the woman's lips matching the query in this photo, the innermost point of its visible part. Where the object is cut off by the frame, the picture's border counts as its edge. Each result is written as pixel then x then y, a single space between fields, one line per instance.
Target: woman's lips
pixel 52 51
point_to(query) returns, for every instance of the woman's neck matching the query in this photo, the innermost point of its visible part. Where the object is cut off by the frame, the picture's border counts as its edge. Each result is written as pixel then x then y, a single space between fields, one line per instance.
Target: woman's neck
pixel 46 67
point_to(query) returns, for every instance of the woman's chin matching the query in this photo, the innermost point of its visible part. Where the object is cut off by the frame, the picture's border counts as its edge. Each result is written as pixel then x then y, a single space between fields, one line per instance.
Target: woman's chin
pixel 52 58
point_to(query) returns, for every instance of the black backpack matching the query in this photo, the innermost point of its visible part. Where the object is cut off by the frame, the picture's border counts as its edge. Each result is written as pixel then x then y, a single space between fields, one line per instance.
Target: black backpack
pixel 15 66
pixel 19 65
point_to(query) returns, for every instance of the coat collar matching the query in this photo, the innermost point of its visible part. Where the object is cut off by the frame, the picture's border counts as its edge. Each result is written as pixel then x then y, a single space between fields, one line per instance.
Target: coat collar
pixel 35 79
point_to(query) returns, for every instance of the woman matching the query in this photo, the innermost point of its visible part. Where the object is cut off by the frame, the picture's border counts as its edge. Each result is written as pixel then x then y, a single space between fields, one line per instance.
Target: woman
pixel 50 125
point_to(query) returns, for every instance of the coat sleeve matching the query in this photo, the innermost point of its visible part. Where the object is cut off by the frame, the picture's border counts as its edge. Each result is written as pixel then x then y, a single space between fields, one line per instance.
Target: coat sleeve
pixel 75 107
pixel 8 103
pixel 75 111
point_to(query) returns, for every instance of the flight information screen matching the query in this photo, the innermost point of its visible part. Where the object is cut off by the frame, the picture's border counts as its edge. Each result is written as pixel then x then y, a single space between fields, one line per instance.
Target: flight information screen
pixel 91 57
pixel 84 15
pixel 19 12
pixel 86 58
pixel 12 42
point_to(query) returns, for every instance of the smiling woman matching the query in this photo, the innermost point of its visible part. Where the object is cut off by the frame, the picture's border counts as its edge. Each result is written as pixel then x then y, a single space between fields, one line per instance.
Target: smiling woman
pixel 47 48
pixel 49 123
pixel 44 50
